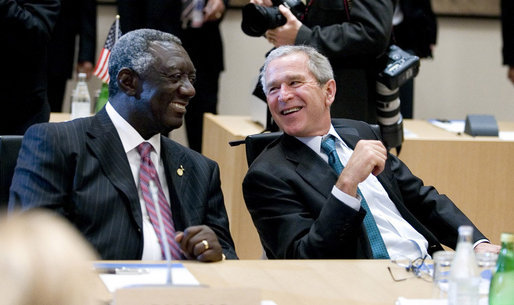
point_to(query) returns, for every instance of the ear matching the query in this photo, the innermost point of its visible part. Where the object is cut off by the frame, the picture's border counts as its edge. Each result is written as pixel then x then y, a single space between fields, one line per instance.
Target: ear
pixel 330 92
pixel 128 81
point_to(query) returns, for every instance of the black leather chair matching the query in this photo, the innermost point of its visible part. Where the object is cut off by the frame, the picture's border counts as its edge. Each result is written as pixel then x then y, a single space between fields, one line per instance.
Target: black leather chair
pixel 9 148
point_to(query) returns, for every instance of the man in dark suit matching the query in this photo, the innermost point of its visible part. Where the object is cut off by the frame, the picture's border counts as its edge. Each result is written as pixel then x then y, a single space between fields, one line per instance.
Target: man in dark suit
pixel 203 44
pixel 25 29
pixel 91 170
pixel 303 209
pixel 77 18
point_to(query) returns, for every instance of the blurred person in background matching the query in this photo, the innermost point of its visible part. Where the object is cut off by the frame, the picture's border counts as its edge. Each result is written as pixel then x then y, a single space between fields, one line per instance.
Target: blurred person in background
pixel 415 31
pixel 44 260
pixel 77 18
pixel 507 20
pixel 25 30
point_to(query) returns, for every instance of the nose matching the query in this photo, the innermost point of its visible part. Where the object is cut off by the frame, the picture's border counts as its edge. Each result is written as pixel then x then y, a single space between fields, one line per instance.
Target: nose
pixel 285 93
pixel 187 88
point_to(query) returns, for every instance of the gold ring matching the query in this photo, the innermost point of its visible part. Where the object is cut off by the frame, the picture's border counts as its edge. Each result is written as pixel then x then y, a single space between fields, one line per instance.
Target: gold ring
pixel 205 244
pixel 218 15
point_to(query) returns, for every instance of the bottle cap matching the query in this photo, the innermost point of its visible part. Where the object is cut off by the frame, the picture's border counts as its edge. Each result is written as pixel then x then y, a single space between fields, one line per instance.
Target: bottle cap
pixel 507 237
pixel 465 230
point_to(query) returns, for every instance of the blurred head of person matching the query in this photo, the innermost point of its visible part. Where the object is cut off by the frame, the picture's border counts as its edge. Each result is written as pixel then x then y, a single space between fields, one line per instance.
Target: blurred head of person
pixel 300 88
pixel 44 260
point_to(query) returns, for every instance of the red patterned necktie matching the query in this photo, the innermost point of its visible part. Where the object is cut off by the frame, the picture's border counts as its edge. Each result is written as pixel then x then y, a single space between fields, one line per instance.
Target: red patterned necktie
pixel 148 172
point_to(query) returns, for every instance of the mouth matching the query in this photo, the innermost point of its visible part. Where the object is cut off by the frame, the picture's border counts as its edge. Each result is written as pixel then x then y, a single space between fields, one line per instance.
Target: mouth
pixel 178 107
pixel 291 110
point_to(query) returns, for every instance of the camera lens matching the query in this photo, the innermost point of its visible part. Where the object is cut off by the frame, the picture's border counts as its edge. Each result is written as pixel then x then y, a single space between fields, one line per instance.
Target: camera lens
pixel 258 19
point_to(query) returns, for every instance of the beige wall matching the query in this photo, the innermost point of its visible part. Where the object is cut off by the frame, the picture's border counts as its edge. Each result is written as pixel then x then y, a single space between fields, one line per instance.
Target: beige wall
pixel 465 76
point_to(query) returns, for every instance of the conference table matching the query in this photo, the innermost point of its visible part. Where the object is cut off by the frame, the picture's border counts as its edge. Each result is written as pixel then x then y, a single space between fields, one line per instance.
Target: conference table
pixel 310 282
pixel 475 172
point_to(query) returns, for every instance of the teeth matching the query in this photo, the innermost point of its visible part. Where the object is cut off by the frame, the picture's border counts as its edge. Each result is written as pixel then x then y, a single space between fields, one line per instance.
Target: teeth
pixel 179 106
pixel 288 111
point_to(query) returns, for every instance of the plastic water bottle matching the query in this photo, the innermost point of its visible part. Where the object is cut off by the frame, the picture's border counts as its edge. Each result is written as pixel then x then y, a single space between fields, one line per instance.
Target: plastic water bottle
pixel 464 278
pixel 197 14
pixel 80 100
pixel 501 291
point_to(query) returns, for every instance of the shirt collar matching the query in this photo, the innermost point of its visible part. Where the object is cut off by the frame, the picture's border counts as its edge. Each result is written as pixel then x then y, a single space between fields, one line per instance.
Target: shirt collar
pixel 314 143
pixel 129 136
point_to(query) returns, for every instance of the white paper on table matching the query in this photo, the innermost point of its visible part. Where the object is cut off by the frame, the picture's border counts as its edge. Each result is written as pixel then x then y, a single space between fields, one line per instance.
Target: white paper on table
pixel 144 274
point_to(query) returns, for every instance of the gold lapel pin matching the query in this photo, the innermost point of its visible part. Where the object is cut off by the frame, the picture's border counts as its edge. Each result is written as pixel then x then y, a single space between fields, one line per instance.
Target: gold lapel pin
pixel 180 171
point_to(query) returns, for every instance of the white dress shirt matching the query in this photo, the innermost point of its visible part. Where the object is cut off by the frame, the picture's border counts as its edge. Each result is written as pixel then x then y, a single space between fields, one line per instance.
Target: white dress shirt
pixel 130 139
pixel 400 238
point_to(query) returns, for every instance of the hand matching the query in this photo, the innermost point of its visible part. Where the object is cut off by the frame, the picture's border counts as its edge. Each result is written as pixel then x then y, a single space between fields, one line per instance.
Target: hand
pixel 262 2
pixel 85 67
pixel 369 157
pixel 192 245
pixel 286 34
pixel 510 74
pixel 213 10
pixel 487 247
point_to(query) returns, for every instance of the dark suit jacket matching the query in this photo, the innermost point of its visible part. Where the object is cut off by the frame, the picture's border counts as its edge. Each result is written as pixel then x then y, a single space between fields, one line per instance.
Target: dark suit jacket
pixel 79 169
pixel 507 20
pixel 25 29
pixel 77 18
pixel 418 30
pixel 288 193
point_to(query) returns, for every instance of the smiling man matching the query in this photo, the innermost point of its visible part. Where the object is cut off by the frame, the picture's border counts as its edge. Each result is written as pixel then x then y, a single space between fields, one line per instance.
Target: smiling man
pixel 116 175
pixel 326 190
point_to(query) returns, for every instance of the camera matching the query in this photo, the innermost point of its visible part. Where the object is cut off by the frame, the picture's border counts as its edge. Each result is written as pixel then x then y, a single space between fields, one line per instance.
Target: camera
pixel 258 19
pixel 400 67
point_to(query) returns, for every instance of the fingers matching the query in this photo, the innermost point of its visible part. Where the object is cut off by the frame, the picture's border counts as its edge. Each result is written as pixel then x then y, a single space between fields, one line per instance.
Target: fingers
pixel 200 243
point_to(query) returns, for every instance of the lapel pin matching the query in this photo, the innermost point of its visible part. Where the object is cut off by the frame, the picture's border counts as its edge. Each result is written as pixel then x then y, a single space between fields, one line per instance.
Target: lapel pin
pixel 180 170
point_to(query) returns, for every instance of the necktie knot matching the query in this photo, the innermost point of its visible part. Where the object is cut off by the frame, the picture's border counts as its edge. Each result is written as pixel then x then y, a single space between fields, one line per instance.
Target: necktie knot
pixel 328 145
pixel 144 149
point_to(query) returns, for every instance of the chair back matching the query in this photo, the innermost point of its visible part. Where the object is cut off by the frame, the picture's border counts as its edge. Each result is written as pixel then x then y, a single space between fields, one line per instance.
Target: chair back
pixel 256 143
pixel 9 148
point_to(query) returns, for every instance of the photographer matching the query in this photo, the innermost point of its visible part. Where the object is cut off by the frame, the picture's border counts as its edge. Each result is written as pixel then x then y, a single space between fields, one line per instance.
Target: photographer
pixel 352 34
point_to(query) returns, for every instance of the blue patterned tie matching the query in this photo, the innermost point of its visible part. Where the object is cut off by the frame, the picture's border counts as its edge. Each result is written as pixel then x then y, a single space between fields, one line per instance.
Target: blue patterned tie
pixel 378 247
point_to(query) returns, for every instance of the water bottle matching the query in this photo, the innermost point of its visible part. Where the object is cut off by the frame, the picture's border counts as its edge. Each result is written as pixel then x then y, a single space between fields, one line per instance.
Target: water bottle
pixel 80 99
pixel 197 14
pixel 464 278
pixel 501 291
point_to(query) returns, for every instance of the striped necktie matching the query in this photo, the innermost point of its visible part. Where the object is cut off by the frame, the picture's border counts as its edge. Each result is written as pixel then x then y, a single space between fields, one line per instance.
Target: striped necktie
pixel 378 247
pixel 148 172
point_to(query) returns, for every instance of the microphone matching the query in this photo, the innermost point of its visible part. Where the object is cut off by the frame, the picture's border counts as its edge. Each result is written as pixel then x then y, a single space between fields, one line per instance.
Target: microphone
pixel 155 198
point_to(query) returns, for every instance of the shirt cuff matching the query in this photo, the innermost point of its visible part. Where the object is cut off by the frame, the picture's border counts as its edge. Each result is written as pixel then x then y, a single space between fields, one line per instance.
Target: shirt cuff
pixel 480 241
pixel 352 202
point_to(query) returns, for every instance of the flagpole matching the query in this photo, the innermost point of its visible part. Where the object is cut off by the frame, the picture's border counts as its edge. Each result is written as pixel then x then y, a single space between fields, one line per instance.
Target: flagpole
pixel 117 28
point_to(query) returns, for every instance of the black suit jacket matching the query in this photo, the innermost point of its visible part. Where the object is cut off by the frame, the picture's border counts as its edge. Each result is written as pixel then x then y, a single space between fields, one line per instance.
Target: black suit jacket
pixel 76 18
pixel 25 29
pixel 288 192
pixel 79 169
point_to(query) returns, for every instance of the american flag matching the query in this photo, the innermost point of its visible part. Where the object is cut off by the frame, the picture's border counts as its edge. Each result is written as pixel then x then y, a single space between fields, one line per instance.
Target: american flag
pixel 101 69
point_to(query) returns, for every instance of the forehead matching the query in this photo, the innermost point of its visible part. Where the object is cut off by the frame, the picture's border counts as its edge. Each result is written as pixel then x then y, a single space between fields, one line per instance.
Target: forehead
pixel 170 56
pixel 293 65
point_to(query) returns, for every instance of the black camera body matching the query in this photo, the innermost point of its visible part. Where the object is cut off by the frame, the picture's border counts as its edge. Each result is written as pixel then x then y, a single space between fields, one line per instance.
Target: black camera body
pixel 258 19
pixel 401 66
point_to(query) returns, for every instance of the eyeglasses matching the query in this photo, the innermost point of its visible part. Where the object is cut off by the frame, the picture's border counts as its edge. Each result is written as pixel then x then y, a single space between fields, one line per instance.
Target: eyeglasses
pixel 417 266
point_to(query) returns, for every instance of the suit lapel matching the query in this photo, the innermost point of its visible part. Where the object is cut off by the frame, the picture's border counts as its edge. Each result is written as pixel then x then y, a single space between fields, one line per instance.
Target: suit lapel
pixel 176 167
pixel 104 142
pixel 309 165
